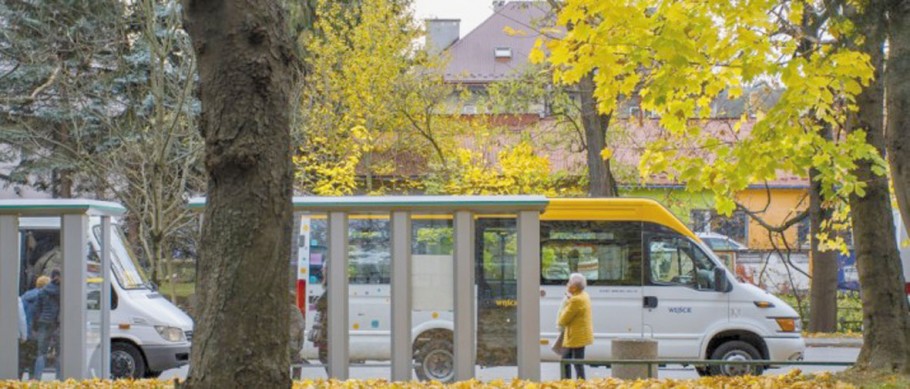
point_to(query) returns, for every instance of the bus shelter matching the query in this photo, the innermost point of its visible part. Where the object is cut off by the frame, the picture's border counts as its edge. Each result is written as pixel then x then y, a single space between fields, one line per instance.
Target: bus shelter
pixel 84 328
pixel 399 210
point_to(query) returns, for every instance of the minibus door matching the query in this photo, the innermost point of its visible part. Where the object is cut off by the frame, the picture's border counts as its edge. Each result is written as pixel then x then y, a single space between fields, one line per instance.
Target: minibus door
pixel 679 302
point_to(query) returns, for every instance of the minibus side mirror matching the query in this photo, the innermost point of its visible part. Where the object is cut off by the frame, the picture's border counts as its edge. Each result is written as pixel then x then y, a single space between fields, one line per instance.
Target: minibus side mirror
pixel 720 280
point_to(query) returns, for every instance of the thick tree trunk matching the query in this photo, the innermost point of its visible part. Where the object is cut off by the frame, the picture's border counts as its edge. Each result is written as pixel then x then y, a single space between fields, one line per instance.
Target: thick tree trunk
pixel 247 72
pixel 898 130
pixel 600 178
pixel 823 292
pixel 885 321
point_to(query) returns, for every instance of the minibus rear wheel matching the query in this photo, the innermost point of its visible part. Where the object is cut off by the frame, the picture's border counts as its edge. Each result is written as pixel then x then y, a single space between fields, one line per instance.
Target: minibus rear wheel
pixel 435 361
pixel 735 350
pixel 126 361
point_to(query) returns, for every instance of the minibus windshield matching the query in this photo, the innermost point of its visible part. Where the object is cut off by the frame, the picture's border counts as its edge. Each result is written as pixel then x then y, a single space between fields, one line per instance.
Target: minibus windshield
pixel 124 263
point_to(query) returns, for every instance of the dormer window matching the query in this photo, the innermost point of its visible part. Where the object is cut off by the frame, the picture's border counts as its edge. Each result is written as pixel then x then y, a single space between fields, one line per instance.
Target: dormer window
pixel 502 53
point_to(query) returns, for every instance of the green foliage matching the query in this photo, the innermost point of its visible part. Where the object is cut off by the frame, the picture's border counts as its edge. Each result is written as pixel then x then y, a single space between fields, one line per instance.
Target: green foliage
pixel 57 58
pixel 849 310
pixel 102 93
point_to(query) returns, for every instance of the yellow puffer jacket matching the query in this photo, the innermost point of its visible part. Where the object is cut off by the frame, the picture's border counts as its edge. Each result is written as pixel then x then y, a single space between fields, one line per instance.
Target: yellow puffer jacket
pixel 576 319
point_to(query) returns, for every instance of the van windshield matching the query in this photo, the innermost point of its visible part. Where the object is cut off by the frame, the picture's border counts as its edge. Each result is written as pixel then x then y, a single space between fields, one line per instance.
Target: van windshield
pixel 124 263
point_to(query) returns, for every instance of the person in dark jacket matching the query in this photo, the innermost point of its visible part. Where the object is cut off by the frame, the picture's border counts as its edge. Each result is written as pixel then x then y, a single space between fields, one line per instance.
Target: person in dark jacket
pixel 46 322
pixel 28 351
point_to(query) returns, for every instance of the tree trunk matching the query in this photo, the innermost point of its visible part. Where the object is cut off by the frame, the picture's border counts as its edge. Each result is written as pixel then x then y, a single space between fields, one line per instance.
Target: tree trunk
pixel 600 179
pixel 898 130
pixel 885 345
pixel 63 185
pixel 823 291
pixel 247 72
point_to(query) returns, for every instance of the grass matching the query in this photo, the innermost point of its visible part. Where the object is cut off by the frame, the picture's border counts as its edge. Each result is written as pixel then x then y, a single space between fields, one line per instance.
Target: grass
pixel 183 289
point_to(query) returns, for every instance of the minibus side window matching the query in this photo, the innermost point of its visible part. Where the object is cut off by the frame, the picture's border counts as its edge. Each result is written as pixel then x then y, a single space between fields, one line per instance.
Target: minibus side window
pixel 369 251
pixel 674 260
pixel 606 253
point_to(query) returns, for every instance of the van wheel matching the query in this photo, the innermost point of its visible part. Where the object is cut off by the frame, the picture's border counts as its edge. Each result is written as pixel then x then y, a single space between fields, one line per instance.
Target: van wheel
pixel 703 371
pixel 735 350
pixel 126 361
pixel 435 360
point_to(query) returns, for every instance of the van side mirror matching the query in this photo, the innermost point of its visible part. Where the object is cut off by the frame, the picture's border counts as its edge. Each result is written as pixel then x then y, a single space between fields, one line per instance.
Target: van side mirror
pixel 720 280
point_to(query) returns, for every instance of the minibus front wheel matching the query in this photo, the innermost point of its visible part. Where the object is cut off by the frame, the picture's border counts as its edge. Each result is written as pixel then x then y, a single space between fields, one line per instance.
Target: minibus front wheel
pixel 735 350
pixel 126 361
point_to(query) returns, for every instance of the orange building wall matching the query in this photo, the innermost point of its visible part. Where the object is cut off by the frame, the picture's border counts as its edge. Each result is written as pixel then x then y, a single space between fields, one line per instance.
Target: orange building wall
pixel 782 205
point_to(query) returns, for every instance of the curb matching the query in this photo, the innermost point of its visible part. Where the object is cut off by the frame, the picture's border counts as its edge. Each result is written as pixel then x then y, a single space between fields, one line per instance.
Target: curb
pixel 834 342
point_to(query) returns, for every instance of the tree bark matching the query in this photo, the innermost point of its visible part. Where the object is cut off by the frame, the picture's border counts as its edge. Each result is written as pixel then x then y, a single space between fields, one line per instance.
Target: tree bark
pixel 600 179
pixel 885 321
pixel 823 291
pixel 898 130
pixel 63 185
pixel 247 70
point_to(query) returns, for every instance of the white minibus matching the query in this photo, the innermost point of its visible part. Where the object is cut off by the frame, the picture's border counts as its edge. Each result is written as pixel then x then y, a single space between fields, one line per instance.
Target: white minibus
pixel 648 276
pixel 148 333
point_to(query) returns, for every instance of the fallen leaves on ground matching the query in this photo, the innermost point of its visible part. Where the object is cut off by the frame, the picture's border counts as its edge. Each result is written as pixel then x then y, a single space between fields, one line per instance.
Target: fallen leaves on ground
pixel 793 380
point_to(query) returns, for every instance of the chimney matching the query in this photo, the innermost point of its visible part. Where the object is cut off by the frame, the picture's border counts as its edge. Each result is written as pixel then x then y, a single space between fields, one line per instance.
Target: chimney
pixel 441 33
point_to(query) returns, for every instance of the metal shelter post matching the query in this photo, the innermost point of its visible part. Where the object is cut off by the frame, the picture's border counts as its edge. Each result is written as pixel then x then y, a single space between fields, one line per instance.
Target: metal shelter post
pixel 338 295
pixel 464 296
pixel 9 293
pixel 73 362
pixel 401 296
pixel 529 295
pixel 106 297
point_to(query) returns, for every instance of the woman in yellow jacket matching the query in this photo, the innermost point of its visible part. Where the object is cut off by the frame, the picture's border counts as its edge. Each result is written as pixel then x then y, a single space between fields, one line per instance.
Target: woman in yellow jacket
pixel 578 327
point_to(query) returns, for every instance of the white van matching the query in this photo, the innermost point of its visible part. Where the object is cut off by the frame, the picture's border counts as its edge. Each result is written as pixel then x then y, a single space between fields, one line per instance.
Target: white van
pixel 148 333
pixel 648 277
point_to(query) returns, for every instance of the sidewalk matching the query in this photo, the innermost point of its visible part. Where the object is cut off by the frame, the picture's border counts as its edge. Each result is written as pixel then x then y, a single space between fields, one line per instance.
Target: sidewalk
pixel 834 342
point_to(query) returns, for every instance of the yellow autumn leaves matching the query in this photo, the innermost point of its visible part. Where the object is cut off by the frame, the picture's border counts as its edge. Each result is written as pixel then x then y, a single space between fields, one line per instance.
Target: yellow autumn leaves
pixel 793 380
pixel 683 57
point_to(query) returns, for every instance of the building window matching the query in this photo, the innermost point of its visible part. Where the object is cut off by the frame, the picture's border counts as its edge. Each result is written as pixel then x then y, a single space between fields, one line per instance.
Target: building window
pixel 804 234
pixel 502 53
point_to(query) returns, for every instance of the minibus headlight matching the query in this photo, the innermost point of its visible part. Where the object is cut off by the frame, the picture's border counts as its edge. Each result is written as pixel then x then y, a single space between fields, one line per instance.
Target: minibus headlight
pixel 788 324
pixel 170 334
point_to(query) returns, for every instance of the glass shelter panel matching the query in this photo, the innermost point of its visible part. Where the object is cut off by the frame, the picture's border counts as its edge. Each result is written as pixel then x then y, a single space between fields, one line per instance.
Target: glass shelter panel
pixel 41 260
pixel 432 296
pixel 369 306
pixel 369 273
pixel 94 283
pixel 497 281
pixel 369 266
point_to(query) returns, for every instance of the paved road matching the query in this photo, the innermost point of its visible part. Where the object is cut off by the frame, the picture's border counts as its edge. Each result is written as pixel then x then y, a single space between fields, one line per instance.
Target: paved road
pixel 550 371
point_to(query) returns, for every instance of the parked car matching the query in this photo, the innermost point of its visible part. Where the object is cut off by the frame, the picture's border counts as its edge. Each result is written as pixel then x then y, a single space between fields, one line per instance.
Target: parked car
pixel 718 242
